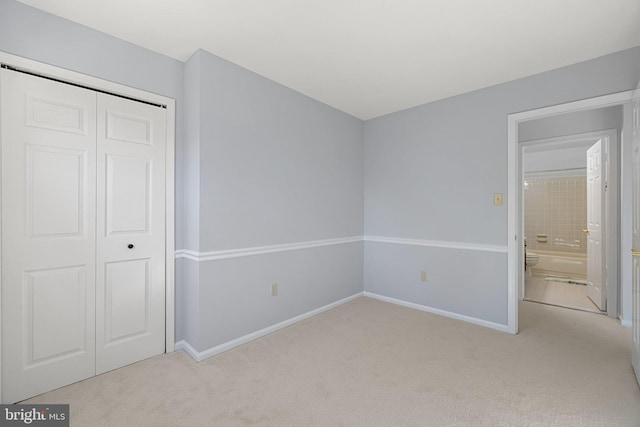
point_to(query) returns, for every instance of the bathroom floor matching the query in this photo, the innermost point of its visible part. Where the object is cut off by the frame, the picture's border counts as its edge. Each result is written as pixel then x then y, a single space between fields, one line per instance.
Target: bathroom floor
pixel 569 295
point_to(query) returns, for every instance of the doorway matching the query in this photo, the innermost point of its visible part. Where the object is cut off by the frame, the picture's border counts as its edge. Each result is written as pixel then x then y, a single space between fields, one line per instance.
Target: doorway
pixel 515 253
pixel 570 202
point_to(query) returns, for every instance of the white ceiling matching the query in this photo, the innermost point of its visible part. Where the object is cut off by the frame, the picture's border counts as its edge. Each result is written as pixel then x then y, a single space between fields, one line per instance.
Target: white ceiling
pixel 371 57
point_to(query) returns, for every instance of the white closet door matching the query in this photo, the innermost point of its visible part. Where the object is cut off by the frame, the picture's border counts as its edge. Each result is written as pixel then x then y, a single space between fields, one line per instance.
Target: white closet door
pixel 48 234
pixel 130 292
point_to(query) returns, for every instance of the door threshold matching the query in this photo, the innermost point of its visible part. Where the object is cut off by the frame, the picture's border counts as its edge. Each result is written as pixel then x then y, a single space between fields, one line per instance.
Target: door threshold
pixel 566 306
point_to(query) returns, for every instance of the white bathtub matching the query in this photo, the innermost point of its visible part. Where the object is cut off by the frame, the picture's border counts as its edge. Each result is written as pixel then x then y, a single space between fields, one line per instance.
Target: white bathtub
pixel 560 264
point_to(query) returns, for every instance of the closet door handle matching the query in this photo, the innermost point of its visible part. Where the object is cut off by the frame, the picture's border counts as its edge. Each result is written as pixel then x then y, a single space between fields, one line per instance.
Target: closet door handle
pixel 130 245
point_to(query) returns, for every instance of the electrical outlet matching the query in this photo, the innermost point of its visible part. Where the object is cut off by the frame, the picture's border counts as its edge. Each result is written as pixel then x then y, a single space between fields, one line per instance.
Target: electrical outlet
pixel 274 289
pixel 423 276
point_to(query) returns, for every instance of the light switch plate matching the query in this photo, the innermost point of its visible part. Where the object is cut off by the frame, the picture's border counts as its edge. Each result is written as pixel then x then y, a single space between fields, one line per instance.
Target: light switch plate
pixel 497 199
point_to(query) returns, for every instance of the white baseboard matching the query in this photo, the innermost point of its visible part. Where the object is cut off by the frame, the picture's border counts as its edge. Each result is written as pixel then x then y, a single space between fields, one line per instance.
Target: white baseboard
pixel 201 355
pixel 182 345
pixel 468 319
pixel 625 323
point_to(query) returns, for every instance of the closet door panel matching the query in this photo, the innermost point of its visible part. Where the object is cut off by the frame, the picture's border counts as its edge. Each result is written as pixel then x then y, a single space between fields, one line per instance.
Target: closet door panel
pixel 128 197
pixel 56 182
pixel 131 237
pixel 127 300
pixel 48 234
pixel 51 334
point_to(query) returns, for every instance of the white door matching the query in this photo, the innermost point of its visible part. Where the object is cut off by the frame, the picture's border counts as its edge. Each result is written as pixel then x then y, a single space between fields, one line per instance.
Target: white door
pixel 82 180
pixel 131 218
pixel 635 286
pixel 595 216
pixel 48 234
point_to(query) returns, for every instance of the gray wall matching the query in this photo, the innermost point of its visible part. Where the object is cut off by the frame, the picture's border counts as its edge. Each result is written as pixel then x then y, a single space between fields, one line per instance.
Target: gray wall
pixel 431 171
pixel 566 156
pixel 557 160
pixel 275 167
pixel 188 270
pixel 571 123
pixel 235 293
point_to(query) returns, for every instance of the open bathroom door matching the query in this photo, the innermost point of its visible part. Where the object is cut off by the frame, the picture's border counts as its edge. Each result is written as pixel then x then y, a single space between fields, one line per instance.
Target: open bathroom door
pixel 595 216
pixel 635 285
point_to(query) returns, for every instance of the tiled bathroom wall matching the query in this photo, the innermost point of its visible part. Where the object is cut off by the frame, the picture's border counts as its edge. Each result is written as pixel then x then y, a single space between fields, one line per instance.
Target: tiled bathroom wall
pixel 555 207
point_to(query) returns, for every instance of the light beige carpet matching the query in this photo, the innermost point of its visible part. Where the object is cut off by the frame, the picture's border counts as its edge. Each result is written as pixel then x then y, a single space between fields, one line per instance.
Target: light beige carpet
pixel 371 363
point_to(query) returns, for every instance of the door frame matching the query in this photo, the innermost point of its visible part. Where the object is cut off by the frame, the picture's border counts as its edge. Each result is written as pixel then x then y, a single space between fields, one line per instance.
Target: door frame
pixel 611 235
pixel 515 244
pixel 49 71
